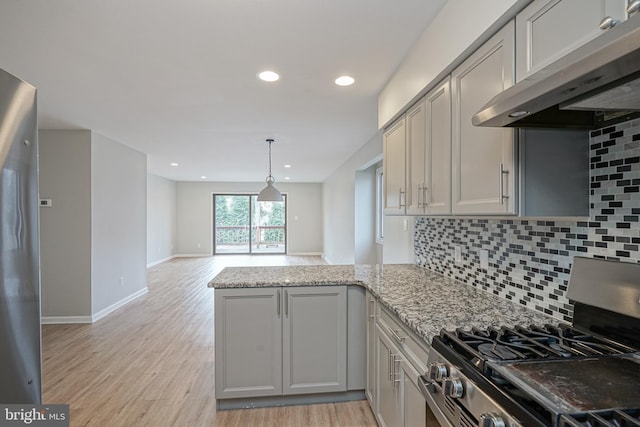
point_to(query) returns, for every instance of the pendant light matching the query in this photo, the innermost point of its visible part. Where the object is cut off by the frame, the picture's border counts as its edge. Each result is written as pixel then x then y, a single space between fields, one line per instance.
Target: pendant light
pixel 270 193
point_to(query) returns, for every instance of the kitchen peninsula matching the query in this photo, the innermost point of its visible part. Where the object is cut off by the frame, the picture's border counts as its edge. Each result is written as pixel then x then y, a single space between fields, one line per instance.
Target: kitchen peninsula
pixel 305 334
pixel 423 300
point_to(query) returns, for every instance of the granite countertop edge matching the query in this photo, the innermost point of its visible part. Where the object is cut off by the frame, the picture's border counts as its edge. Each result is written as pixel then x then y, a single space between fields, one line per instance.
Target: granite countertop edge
pixel 425 301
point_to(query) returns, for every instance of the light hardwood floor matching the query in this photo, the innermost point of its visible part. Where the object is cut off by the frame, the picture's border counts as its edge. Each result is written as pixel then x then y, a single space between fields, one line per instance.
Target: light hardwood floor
pixel 150 363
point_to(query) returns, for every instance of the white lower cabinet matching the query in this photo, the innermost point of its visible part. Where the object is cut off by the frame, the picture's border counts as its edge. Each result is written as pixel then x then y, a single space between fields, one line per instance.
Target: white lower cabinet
pixel 370 389
pixel 389 395
pixel 248 342
pixel 414 409
pixel 280 341
pixel 398 400
pixel 314 339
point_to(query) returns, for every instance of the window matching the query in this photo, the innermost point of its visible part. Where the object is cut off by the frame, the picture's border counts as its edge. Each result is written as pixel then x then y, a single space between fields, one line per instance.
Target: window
pixel 244 225
pixel 379 205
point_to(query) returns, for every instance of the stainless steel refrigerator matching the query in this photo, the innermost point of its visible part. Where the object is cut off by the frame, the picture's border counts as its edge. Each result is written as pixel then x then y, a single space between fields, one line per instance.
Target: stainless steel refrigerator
pixel 20 330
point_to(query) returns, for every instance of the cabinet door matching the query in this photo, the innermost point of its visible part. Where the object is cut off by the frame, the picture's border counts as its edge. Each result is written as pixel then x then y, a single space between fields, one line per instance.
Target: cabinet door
pixel 414 403
pixel 356 338
pixel 549 29
pixel 314 339
pixel 394 169
pixel 370 390
pixel 389 406
pixel 483 178
pixel 437 191
pixel 416 156
pixel 248 342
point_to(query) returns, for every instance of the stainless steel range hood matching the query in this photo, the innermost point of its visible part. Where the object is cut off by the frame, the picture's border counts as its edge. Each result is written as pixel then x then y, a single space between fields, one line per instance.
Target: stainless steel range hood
pixel 597 84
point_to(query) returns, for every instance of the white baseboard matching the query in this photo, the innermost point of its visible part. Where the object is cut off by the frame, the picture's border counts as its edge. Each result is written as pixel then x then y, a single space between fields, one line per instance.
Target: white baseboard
pixel 113 307
pixel 305 254
pixel 326 259
pixel 61 320
pixel 151 264
pixel 189 255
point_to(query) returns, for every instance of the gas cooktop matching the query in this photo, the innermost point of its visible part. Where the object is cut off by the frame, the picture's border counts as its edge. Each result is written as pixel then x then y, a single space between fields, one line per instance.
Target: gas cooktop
pixel 585 374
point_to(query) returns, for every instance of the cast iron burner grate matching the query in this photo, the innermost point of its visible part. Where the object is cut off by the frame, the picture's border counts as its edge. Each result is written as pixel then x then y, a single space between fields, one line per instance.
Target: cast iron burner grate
pixel 530 343
pixel 616 418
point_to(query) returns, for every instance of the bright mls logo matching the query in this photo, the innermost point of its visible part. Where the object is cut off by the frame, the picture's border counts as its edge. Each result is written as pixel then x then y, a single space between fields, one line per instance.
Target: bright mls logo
pixel 34 415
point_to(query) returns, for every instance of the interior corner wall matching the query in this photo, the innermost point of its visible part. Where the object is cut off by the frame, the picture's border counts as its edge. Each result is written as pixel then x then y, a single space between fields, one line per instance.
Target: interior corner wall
pixel 338 195
pixel 161 219
pixel 118 219
pixel 65 227
pixel 194 215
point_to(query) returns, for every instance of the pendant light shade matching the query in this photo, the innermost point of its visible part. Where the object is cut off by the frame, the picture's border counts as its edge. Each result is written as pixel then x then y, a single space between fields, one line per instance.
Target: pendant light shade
pixel 270 193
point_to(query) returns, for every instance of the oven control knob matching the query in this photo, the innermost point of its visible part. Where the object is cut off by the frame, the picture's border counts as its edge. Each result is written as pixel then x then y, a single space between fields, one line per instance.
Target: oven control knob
pixel 453 388
pixel 437 371
pixel 491 419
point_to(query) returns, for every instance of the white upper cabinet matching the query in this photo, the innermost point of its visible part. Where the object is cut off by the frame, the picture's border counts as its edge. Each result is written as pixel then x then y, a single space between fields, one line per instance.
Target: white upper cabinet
pixel 395 171
pixel 416 158
pixel 483 180
pixel 429 153
pixel 436 196
pixel 549 29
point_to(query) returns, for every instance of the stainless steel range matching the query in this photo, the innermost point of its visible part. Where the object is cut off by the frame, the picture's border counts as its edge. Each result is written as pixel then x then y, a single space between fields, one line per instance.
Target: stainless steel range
pixel 585 374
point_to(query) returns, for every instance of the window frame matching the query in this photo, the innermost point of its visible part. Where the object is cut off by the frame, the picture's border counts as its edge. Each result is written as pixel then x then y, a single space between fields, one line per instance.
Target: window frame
pixel 379 205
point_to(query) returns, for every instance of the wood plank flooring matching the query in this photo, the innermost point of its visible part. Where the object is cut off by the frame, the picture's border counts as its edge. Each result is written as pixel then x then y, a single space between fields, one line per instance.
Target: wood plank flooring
pixel 150 363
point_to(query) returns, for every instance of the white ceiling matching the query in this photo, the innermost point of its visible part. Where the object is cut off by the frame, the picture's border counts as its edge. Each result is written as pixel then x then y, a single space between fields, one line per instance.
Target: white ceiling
pixel 177 79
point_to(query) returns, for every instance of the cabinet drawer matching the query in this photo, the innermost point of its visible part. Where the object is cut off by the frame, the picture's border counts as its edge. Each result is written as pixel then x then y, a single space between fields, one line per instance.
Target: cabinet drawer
pixel 412 346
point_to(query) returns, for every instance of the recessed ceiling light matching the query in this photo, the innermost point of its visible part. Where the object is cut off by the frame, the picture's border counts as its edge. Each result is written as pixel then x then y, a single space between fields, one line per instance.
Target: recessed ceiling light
pixel 345 81
pixel 268 76
pixel 287 166
pixel 203 177
pixel 174 164
pixel 287 177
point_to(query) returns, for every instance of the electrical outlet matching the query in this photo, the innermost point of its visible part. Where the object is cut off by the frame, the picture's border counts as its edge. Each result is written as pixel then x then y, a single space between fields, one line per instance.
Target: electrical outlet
pixel 121 280
pixel 457 254
pixel 484 259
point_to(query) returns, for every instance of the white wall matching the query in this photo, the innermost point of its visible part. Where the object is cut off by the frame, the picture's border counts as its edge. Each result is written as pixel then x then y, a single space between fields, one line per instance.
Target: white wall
pixel 454 33
pixel 338 193
pixel 161 219
pixel 365 216
pixel 95 233
pixel 398 245
pixel 65 228
pixel 118 218
pixel 345 200
pixel 194 211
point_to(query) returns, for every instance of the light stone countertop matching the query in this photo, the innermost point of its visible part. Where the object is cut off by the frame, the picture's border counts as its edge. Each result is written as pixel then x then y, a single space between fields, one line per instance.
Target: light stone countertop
pixel 425 301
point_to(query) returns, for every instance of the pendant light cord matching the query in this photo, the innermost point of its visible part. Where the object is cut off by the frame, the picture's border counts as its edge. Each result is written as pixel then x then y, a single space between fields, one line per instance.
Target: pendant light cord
pixel 270 157
pixel 270 175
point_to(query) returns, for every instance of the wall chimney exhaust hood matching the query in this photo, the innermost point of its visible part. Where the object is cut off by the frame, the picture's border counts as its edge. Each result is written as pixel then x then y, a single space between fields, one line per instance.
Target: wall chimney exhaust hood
pixel 595 85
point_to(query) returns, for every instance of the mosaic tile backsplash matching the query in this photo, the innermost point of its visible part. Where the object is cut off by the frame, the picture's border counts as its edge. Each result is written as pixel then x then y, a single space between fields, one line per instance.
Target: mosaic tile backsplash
pixel 530 260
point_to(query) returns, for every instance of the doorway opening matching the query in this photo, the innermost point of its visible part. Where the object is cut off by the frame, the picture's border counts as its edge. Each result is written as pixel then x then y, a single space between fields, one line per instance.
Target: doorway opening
pixel 242 225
